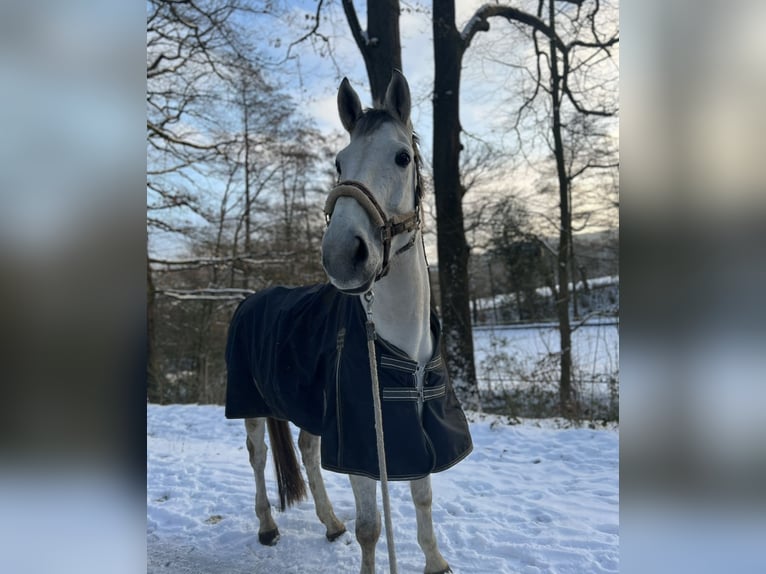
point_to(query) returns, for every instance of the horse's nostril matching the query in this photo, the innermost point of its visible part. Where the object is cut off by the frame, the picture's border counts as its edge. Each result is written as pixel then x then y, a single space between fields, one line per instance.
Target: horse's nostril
pixel 361 253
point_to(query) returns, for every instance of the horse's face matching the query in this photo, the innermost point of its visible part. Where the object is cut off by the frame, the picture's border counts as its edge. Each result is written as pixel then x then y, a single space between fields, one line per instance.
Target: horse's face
pixel 379 162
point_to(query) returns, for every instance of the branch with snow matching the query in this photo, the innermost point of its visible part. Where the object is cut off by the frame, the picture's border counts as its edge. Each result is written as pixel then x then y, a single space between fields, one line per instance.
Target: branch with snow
pixel 182 264
pixel 212 294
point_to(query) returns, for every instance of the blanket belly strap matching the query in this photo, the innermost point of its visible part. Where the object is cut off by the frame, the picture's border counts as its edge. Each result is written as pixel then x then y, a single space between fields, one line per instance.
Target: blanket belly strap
pixel 398 394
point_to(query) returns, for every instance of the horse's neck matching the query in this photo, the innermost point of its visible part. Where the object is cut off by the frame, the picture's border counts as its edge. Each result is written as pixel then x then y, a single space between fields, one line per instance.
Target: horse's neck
pixel 401 309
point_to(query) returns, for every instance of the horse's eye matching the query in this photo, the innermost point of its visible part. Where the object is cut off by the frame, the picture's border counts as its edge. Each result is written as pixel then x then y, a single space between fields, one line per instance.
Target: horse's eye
pixel 403 158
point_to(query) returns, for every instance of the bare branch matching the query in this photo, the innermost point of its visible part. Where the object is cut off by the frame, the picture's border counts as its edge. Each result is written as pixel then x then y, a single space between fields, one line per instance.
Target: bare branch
pixel 600 45
pixel 538 82
pixel 479 23
pixel 593 165
pixel 360 36
pixel 162 225
pixel 313 31
pixel 207 261
pixel 166 135
pixel 222 294
pixel 577 105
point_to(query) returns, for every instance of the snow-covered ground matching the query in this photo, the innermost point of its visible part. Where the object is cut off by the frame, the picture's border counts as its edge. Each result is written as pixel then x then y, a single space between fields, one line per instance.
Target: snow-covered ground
pixel 519 365
pixel 595 348
pixel 532 498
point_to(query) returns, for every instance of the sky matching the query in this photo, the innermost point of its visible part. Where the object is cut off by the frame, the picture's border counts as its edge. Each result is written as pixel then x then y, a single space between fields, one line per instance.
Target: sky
pixel 483 79
pixel 488 87
pixel 321 76
pixel 313 73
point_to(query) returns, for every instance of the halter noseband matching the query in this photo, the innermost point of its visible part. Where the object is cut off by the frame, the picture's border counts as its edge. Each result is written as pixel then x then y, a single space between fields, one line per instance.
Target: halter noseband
pixel 389 227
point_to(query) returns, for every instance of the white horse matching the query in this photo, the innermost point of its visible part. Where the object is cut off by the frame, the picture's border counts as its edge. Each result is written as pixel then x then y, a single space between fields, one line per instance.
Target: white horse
pixel 372 242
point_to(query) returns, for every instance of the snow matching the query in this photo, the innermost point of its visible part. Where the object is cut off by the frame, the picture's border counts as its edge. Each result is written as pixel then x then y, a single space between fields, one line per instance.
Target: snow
pixel 596 283
pixel 595 347
pixel 532 498
pixel 522 362
pixel 475 20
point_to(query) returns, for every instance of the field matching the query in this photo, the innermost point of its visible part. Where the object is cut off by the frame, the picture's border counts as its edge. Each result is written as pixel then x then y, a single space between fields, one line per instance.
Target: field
pixel 532 498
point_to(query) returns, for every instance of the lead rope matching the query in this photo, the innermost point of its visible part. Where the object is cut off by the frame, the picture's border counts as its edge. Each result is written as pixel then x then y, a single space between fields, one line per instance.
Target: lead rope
pixel 368 297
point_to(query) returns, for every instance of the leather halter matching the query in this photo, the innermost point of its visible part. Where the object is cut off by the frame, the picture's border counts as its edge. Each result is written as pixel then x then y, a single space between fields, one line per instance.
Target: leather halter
pixel 389 227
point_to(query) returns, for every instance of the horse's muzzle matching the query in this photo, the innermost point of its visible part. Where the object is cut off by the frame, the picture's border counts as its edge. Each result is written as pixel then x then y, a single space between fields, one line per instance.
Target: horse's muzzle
pixel 388 227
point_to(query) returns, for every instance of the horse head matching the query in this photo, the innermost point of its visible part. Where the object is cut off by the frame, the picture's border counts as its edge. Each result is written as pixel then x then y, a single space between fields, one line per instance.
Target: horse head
pixel 373 212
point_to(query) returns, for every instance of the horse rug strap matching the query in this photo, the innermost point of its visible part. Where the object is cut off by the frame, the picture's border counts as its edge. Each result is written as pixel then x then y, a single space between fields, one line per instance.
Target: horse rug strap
pixel 301 355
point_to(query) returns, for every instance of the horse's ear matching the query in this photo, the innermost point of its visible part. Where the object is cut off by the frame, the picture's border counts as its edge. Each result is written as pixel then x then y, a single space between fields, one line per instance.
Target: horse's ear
pixel 398 96
pixel 349 106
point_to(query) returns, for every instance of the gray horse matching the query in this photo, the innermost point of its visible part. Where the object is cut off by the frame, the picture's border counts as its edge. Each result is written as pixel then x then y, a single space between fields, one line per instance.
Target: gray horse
pixel 300 354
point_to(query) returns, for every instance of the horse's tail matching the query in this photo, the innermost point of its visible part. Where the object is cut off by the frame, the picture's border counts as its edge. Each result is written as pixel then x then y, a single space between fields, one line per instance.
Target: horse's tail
pixel 292 488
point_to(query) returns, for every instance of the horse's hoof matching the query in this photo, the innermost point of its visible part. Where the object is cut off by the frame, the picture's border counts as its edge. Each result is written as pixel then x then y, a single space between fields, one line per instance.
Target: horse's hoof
pixel 335 535
pixel 445 571
pixel 269 538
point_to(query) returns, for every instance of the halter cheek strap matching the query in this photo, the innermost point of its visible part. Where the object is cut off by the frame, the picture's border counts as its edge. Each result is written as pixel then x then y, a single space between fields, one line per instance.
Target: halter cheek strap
pixel 389 227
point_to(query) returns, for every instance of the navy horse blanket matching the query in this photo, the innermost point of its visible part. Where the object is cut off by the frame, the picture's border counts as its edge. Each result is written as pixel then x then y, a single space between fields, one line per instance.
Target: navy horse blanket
pixel 300 354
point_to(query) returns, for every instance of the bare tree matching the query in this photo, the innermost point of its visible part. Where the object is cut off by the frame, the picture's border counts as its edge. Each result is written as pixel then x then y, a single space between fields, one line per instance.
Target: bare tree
pixel 575 98
pixel 186 46
pixel 562 60
pixel 224 153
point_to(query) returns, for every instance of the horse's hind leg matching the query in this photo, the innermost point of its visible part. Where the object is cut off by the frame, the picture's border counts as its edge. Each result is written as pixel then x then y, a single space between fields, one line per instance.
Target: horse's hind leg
pixel 309 446
pixel 268 533
pixel 367 519
pixel 421 496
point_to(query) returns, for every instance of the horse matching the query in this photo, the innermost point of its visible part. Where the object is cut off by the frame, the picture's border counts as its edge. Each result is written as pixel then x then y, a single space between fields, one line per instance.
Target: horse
pixel 299 355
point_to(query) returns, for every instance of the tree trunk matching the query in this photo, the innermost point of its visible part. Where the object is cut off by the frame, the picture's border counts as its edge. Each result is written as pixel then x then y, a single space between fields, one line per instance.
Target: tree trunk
pixel 384 50
pixel 566 396
pixel 381 49
pixel 492 293
pixel 154 380
pixel 572 260
pixel 380 44
pixel 451 243
pixel 248 199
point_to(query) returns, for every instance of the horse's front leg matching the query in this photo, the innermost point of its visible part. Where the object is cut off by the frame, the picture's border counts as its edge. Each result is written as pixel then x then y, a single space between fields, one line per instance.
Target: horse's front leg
pixel 421 496
pixel 268 533
pixel 309 447
pixel 367 519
